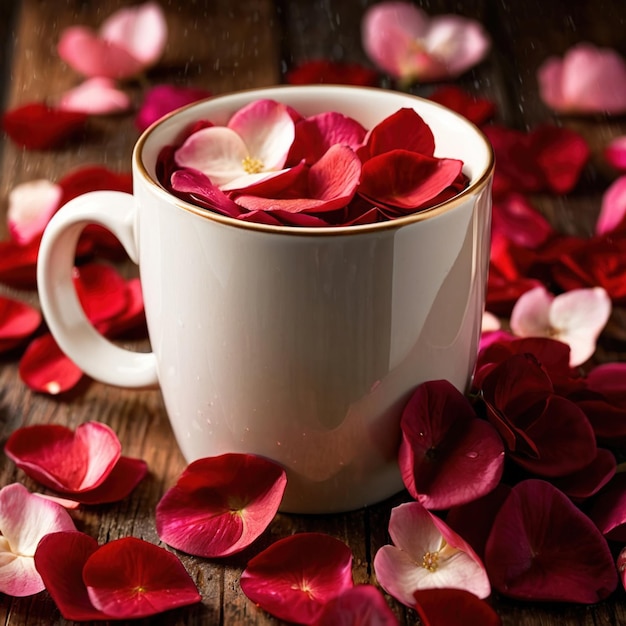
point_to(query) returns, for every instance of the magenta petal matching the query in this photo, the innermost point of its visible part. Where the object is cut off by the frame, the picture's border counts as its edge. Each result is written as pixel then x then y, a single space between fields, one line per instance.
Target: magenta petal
pixel 162 99
pixel 45 368
pixel 203 192
pixel 448 456
pixel 613 208
pixel 221 504
pixel 69 462
pixel 615 153
pixel 361 605
pixel 406 180
pixel 543 548
pixel 124 477
pixel 130 578
pixel 17 322
pixel 296 576
pixel 608 510
pixel 453 607
pixel 590 479
pixel 59 559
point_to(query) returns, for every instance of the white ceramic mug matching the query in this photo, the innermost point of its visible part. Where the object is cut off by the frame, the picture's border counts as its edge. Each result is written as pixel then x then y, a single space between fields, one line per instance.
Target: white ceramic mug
pixel 298 344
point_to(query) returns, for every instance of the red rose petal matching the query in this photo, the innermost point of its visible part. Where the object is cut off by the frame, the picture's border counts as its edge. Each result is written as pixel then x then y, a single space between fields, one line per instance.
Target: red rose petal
pixel 403 130
pixel 543 548
pixel 93 178
pixel 361 605
pixel 590 479
pixel 453 607
pixel 36 126
pixel 296 576
pixel 59 559
pixel 201 191
pixel 475 109
pixel 447 456
pixel 45 368
pixel 101 291
pixel 608 510
pixel 406 180
pixel 124 477
pixel 130 578
pixel 64 460
pixel 519 221
pixel 331 72
pixel 132 317
pixel 18 263
pixel 17 322
pixel 220 505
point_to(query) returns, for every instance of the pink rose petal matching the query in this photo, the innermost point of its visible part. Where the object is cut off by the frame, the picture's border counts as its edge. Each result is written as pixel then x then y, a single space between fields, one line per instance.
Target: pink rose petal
pixel 162 99
pixel 448 456
pixel 220 505
pixel 613 208
pixel 95 96
pixel 615 153
pixel 586 80
pixel 543 548
pixel 141 29
pixel 297 576
pixel 203 192
pixel 426 554
pixel 31 205
pixel 24 520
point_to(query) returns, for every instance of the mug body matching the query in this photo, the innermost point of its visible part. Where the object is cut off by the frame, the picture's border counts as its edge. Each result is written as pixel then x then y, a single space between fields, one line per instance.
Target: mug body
pixel 303 344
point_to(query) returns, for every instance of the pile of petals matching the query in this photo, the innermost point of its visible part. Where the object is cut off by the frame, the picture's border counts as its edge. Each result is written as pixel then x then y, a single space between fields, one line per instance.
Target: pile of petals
pixel 85 465
pixel 273 166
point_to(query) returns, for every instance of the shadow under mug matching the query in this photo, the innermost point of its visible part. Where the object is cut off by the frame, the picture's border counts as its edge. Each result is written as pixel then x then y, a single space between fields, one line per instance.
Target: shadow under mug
pixel 298 344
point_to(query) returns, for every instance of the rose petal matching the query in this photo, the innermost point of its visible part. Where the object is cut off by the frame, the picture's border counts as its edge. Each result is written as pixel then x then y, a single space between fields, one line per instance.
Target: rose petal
pixel 141 30
pixel 100 290
pixel 332 72
pixel 36 126
pixel 220 505
pixel 130 578
pixel 18 263
pixel 608 510
pixel 90 55
pixel 427 554
pixel 477 110
pixel 17 322
pixel 406 180
pixel 453 607
pixel 203 192
pixel 447 455
pixel 65 460
pixel 543 548
pixel 60 558
pixel 615 153
pixel 516 218
pixel 95 96
pixel 296 576
pixel 613 208
pixel 24 520
pixel 45 368
pixel 162 99
pixel 31 205
pixel 361 605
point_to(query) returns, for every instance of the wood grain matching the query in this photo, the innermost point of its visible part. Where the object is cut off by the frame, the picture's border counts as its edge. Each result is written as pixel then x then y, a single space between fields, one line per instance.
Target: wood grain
pixel 222 46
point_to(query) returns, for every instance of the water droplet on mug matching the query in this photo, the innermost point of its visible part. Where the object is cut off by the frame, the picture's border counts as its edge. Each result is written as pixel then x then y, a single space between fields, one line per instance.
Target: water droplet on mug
pixel 278 443
pixel 472 455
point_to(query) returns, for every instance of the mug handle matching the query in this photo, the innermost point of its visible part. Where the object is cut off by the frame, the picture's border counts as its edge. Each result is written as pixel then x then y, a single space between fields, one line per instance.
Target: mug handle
pixel 75 335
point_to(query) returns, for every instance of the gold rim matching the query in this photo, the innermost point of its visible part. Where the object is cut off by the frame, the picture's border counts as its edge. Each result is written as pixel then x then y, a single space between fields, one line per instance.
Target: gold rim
pixel 474 189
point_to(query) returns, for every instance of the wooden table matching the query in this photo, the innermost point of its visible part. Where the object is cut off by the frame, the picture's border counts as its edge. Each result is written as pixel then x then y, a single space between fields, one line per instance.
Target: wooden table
pixel 222 46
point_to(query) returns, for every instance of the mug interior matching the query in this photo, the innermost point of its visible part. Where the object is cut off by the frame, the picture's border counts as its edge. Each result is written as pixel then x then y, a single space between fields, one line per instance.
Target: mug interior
pixel 455 136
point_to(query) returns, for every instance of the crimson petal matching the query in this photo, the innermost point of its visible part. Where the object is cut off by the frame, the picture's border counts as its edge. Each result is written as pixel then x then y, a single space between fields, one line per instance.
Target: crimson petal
pixel 65 460
pixel 221 504
pixel 542 547
pixel 101 291
pixel 59 559
pixel 406 180
pixel 475 109
pixel 296 576
pixel 403 130
pixel 608 510
pixel 361 605
pixel 45 368
pixel 453 607
pixel 36 126
pixel 17 322
pixel 18 263
pixel 331 72
pixel 448 456
pixel 590 479
pixel 130 578
pixel 198 189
